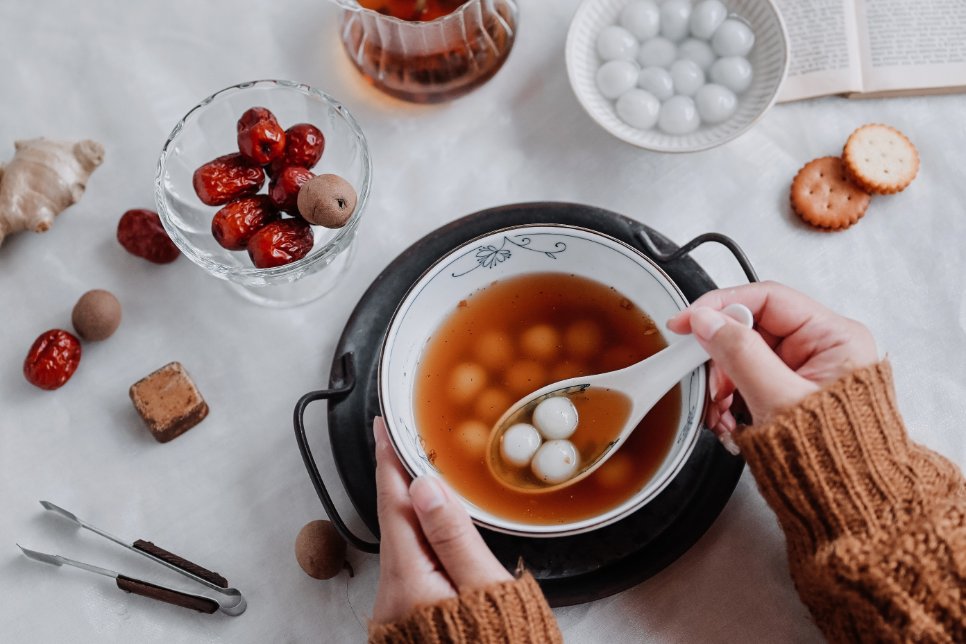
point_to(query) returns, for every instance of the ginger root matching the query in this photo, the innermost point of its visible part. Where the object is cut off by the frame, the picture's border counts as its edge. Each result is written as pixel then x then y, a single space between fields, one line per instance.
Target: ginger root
pixel 43 178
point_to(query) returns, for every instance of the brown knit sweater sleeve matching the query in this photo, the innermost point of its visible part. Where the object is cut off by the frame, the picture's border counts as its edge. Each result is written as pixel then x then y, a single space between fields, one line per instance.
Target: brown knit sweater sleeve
pixel 875 524
pixel 510 612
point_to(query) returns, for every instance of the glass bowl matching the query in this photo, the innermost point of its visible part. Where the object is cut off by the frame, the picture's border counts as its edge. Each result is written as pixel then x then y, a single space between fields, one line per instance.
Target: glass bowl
pixel 208 131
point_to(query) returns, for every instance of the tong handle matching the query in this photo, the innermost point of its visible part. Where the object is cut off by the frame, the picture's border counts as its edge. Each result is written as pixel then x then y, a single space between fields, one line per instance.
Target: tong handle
pixel 167 595
pixel 180 563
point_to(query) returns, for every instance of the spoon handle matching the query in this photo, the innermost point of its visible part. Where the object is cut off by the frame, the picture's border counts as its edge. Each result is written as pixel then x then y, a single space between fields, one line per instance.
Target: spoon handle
pixel 658 374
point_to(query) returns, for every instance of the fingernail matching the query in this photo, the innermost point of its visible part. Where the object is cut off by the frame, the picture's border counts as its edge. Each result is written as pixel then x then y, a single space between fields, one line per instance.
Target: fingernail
pixel 713 387
pixel 378 433
pixel 705 322
pixel 426 494
pixel 728 442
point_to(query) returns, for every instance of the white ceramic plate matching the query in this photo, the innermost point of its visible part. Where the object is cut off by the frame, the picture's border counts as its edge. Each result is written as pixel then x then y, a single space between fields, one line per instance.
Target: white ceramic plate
pixel 769 61
pixel 508 253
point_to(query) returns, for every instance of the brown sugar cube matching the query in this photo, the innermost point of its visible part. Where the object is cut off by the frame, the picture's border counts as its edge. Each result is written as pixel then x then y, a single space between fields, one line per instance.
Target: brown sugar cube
pixel 168 402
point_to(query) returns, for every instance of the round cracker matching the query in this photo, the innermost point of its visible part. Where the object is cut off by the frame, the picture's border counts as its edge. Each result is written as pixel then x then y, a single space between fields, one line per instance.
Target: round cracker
pixel 880 159
pixel 823 196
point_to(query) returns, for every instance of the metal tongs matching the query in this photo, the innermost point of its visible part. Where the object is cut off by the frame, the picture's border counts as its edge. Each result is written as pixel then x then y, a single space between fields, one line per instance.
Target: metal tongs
pixel 228 600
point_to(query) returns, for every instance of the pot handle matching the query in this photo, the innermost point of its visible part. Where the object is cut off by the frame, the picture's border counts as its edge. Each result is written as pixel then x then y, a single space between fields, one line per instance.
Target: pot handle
pixel 664 258
pixel 345 381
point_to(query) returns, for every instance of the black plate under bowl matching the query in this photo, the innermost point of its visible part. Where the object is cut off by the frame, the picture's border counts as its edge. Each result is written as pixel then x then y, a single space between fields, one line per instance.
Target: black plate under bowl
pixel 572 569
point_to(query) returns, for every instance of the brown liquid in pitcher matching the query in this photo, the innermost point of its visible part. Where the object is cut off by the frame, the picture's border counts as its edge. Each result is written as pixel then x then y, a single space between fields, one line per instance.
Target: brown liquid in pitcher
pixel 423 10
pixel 516 336
pixel 454 57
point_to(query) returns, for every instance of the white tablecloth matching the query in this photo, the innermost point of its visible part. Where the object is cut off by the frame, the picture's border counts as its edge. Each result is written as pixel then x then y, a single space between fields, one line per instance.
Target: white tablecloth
pixel 232 493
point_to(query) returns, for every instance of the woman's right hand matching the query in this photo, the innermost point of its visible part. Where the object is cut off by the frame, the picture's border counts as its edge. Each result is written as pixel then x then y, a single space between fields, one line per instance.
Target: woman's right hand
pixel 796 347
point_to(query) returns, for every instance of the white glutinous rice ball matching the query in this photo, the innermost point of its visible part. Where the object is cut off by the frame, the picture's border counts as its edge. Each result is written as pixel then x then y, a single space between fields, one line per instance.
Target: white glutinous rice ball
pixel 494 350
pixel 675 19
pixel 679 116
pixel 657 52
pixel 638 108
pixel 541 341
pixel 466 381
pixel 642 18
pixel 733 38
pixel 657 81
pixel 715 103
pixel 556 418
pixel 732 72
pixel 616 43
pixel 616 77
pixel 699 51
pixel 555 462
pixel 706 17
pixel 473 435
pixel 519 443
pixel 584 339
pixel 687 77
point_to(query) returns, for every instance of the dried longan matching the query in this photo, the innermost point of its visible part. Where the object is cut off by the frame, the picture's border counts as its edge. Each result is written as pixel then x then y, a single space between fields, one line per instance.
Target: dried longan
pixel 96 315
pixel 320 549
pixel 327 200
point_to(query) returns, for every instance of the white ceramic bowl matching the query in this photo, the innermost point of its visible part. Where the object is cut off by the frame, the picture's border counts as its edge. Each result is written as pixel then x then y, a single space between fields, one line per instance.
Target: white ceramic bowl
pixel 504 254
pixel 769 61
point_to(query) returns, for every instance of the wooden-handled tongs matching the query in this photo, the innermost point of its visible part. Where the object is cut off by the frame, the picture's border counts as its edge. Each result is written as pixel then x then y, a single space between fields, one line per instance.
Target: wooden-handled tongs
pixel 221 598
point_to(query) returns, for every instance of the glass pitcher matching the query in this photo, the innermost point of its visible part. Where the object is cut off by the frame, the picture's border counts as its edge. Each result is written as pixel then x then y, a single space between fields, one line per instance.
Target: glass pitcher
pixel 429 61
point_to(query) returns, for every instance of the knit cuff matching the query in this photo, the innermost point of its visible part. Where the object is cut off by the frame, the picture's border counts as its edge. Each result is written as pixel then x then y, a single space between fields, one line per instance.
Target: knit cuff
pixel 838 462
pixel 512 611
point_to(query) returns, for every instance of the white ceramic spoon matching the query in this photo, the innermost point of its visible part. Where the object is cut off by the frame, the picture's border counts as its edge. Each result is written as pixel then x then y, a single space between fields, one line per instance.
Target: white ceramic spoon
pixel 643 383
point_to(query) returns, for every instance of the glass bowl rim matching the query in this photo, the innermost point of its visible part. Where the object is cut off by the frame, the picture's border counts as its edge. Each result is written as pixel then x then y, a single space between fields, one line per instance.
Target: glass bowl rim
pixel 317 258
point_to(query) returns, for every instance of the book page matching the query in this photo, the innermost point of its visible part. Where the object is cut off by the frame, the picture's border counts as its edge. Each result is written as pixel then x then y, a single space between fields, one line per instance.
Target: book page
pixel 824 48
pixel 912 45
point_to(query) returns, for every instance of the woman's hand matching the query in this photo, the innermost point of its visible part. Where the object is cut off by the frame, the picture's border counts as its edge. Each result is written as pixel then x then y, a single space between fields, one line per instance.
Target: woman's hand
pixel 796 348
pixel 429 548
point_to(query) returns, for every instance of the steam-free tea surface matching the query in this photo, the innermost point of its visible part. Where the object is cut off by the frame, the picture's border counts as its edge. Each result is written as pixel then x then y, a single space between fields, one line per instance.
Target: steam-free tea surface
pixel 429 63
pixel 518 335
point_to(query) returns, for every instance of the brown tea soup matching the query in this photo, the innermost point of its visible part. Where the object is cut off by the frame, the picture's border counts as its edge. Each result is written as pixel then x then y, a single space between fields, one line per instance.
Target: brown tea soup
pixel 515 336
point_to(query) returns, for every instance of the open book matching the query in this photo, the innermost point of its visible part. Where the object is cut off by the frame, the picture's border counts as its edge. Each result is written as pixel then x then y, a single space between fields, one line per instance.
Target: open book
pixel 869 48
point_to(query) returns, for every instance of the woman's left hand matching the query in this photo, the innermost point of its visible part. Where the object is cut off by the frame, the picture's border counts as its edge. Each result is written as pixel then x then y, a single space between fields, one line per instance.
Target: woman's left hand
pixel 429 547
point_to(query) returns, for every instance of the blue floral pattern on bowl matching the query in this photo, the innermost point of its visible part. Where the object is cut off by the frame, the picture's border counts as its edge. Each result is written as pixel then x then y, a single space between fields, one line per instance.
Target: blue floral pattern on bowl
pixel 490 256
